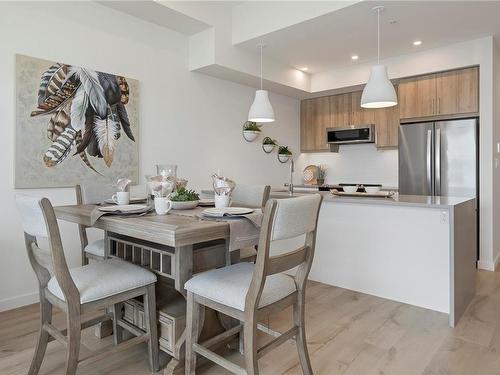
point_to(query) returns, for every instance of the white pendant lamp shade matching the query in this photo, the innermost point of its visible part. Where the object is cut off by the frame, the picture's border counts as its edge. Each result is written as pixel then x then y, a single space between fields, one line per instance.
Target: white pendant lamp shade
pixel 379 91
pixel 261 109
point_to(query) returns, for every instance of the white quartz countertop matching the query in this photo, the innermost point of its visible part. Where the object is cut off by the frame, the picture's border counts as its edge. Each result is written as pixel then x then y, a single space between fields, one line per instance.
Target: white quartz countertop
pixel 398 200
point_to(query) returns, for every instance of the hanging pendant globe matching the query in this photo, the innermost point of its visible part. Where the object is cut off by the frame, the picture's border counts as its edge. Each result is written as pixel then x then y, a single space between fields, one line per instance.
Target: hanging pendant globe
pixel 379 91
pixel 261 109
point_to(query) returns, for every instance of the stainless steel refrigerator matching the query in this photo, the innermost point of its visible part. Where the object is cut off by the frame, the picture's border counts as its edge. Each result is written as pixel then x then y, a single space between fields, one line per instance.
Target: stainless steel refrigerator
pixel 439 158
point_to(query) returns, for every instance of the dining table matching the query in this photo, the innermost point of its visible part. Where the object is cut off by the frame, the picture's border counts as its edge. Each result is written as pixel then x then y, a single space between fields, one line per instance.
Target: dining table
pixel 174 247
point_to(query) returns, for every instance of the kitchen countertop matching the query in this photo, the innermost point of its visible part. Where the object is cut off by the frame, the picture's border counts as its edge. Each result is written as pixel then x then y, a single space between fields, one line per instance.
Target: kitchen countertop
pixel 395 200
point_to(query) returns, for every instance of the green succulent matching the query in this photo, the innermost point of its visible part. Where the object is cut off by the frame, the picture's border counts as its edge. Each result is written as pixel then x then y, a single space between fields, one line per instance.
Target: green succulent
pixel 251 126
pixel 283 150
pixel 183 195
pixel 269 141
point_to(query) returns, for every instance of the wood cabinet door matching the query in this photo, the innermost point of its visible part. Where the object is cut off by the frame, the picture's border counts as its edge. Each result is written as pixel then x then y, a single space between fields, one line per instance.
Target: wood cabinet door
pixel 387 127
pixel 447 93
pixel 315 118
pixel 360 115
pixel 417 96
pixel 340 109
pixel 468 90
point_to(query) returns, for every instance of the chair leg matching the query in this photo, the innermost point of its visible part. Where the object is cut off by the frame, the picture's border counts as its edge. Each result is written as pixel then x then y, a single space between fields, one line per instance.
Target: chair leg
pixel 117 329
pixel 299 321
pixel 250 346
pixel 74 337
pixel 43 336
pixel 152 327
pixel 192 328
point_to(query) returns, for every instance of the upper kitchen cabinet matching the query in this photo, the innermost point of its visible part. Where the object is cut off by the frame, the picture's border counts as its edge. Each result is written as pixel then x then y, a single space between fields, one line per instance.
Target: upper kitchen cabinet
pixel 453 93
pixel 341 110
pixel 314 120
pixel 387 127
pixel 360 116
pixel 416 96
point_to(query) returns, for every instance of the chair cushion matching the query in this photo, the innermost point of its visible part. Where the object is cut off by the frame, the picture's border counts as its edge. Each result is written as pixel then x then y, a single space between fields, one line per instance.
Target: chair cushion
pixel 95 248
pixel 104 279
pixel 229 286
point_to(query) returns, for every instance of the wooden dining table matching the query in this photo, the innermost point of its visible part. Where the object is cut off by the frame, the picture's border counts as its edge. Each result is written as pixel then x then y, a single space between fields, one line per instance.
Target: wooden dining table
pixel 173 246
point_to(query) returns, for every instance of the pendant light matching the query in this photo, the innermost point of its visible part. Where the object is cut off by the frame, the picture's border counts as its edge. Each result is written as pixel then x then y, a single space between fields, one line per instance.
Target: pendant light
pixel 261 109
pixel 379 91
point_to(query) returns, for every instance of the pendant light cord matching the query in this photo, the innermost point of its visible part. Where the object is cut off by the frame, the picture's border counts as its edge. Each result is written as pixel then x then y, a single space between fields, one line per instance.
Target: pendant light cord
pixel 261 66
pixel 378 36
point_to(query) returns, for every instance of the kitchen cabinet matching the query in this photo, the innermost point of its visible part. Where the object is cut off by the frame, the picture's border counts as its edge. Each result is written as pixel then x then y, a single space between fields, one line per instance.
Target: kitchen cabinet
pixel 387 127
pixel 315 119
pixel 341 110
pixel 453 93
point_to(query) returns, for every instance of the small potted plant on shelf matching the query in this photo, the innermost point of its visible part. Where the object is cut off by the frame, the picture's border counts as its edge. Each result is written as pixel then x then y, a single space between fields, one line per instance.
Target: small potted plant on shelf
pixel 268 145
pixel 284 154
pixel 321 171
pixel 251 131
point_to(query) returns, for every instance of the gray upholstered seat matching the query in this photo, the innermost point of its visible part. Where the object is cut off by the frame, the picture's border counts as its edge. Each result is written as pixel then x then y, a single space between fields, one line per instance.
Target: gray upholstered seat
pixel 229 286
pixel 103 279
pixel 96 248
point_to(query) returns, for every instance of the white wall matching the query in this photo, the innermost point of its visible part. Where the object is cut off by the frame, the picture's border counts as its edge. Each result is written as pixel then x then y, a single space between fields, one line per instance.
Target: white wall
pixel 496 152
pixel 475 52
pixel 186 118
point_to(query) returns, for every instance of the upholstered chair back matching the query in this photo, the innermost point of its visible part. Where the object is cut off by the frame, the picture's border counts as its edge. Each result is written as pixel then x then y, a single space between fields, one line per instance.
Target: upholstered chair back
pixel 94 193
pixel 285 219
pixel 39 220
pixel 253 196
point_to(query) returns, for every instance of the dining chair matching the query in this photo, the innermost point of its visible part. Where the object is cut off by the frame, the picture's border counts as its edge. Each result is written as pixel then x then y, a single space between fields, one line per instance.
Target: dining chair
pixel 252 196
pixel 92 194
pixel 80 290
pixel 249 292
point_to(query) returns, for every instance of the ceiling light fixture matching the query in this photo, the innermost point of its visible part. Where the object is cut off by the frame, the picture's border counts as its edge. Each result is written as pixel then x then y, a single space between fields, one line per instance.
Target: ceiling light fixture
pixel 261 109
pixel 417 42
pixel 304 69
pixel 379 91
pixel 354 57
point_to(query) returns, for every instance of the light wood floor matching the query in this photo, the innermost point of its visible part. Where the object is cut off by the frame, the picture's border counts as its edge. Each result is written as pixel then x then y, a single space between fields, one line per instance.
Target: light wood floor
pixel 348 333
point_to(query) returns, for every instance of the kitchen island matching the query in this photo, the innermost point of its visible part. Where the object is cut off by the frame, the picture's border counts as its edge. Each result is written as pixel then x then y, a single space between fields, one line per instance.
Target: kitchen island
pixel 419 250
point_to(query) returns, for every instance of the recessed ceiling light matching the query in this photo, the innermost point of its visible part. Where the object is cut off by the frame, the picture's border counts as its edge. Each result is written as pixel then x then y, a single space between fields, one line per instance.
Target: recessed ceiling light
pixel 304 69
pixel 354 57
pixel 417 42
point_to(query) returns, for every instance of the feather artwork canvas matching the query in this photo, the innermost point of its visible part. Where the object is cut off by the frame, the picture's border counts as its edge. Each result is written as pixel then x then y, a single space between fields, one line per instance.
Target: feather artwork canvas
pixel 69 125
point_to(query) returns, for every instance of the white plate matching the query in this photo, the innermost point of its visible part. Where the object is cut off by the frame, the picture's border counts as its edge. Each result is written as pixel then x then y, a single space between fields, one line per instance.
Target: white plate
pixel 125 208
pixel 206 202
pixel 227 211
pixel 132 200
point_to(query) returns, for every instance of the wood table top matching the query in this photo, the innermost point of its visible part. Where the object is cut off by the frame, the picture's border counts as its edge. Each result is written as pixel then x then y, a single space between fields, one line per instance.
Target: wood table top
pixel 171 229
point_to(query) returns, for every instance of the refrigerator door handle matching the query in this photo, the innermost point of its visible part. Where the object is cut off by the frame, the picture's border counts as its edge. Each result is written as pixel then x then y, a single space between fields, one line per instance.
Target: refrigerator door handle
pixel 438 162
pixel 429 161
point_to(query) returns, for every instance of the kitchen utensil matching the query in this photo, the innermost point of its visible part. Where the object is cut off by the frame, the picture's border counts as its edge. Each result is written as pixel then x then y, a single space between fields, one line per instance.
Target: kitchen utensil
pixel 162 205
pixel 350 188
pixel 309 174
pixel 380 194
pixel 121 197
pixel 372 189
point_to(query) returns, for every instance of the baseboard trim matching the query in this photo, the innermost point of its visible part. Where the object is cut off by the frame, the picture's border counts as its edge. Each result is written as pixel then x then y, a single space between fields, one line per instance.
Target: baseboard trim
pixel 18 301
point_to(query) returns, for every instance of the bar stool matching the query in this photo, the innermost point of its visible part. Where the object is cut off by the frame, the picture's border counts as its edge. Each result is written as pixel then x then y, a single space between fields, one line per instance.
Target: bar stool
pixel 249 292
pixel 92 194
pixel 91 287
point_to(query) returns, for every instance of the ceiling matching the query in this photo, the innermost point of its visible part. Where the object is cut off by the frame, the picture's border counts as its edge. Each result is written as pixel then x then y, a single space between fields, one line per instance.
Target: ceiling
pixel 327 42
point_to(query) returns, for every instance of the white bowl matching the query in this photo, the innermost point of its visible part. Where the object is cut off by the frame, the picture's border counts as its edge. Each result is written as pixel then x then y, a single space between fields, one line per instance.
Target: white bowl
pixel 188 205
pixel 372 189
pixel 350 189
